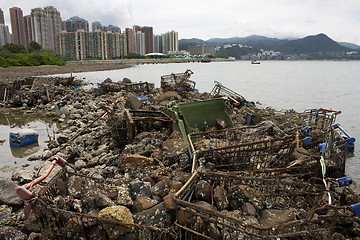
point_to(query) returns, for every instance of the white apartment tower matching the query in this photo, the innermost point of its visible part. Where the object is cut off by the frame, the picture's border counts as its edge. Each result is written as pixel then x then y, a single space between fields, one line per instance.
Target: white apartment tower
pixel 140 43
pixel 46 24
pixel 4 35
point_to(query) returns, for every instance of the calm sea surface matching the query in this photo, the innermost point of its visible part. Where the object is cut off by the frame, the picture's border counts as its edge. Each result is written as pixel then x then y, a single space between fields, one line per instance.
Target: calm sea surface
pixel 295 85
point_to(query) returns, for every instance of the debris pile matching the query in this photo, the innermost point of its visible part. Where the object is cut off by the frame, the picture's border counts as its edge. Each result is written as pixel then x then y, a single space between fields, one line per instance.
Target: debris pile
pixel 173 163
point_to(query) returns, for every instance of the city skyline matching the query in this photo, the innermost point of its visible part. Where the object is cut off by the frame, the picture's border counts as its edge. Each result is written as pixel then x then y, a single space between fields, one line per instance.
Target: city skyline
pixel 209 19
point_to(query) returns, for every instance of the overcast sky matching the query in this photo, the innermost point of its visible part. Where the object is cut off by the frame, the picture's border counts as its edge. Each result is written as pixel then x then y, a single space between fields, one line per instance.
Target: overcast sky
pixel 339 19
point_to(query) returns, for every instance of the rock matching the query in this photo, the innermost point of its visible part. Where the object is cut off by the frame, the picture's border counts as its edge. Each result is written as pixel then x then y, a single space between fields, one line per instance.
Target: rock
pixel 239 194
pixel 80 164
pixel 103 201
pixel 174 147
pixel 75 186
pixel 157 154
pixel 100 149
pixel 214 232
pixel 124 196
pixel 168 95
pixel 139 189
pixel 126 80
pixel 133 103
pixel 11 233
pixel 150 180
pixel 248 209
pixel 8 195
pixel 205 205
pixel 34 158
pixel 157 198
pixel 169 202
pixel 116 213
pixel 272 217
pixel 75 116
pixel 137 160
pixel 143 203
pixel 162 188
pixel 5 214
pixel 175 186
pixel 203 191
pixel 142 135
pixel 220 198
pixel 73 229
pixel 234 214
pixel 92 161
pixel 181 176
pixel 31 225
pixel 175 135
pixel 185 217
pixel 21 175
pixel 159 173
pixel 34 236
pixel 221 124
pixel 46 154
pixel 156 216
pixel 62 138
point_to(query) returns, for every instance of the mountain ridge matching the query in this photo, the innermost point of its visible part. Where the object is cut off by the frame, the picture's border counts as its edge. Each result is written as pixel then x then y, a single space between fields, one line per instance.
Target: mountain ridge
pixel 309 44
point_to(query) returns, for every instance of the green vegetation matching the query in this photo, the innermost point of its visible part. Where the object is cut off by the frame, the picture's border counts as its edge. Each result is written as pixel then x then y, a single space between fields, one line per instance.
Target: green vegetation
pixel 16 55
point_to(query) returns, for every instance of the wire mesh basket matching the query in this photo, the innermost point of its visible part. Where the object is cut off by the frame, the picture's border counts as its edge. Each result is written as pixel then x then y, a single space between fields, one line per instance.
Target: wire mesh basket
pixel 335 154
pixel 66 208
pixel 178 81
pixel 258 147
pixel 140 121
pixel 294 197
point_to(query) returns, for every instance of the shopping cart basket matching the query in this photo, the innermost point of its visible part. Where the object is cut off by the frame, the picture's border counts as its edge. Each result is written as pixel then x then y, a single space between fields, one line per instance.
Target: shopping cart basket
pixel 66 208
pixel 244 148
pixel 313 221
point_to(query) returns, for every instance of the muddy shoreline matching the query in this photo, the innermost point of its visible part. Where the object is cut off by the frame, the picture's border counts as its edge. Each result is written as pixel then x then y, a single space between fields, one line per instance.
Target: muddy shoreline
pixel 18 73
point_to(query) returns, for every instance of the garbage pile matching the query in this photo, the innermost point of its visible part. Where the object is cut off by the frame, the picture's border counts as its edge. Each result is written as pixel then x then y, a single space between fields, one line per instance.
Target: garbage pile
pixel 139 162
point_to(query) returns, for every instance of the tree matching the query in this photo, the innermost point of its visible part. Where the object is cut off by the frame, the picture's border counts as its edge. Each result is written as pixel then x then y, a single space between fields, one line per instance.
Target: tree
pixel 14 48
pixel 34 46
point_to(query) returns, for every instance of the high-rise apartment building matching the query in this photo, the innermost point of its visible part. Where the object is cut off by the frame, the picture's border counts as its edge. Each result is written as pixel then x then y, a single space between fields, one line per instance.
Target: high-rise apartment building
pixel 75 23
pixel 136 28
pixel 130 39
pixel 113 29
pixel 171 42
pixel 46 24
pixel 156 44
pixel 97 26
pixel 140 43
pixel 2 21
pixel 82 45
pixel 4 34
pixel 28 29
pixel 149 39
pixel 167 42
pixel 4 31
pixel 17 26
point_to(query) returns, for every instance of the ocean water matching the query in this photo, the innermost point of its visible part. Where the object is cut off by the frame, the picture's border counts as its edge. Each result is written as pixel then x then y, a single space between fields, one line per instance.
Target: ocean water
pixel 297 85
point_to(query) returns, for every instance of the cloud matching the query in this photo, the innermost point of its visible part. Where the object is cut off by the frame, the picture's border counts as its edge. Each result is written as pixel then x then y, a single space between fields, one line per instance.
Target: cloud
pixel 207 19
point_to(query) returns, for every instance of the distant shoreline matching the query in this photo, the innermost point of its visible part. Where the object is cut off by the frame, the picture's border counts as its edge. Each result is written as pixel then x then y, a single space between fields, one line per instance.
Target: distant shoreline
pixel 11 74
pixel 18 73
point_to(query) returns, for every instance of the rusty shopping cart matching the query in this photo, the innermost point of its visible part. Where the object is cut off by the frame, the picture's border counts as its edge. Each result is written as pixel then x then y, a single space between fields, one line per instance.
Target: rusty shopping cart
pixel 244 148
pixel 180 81
pixel 304 216
pixel 69 206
